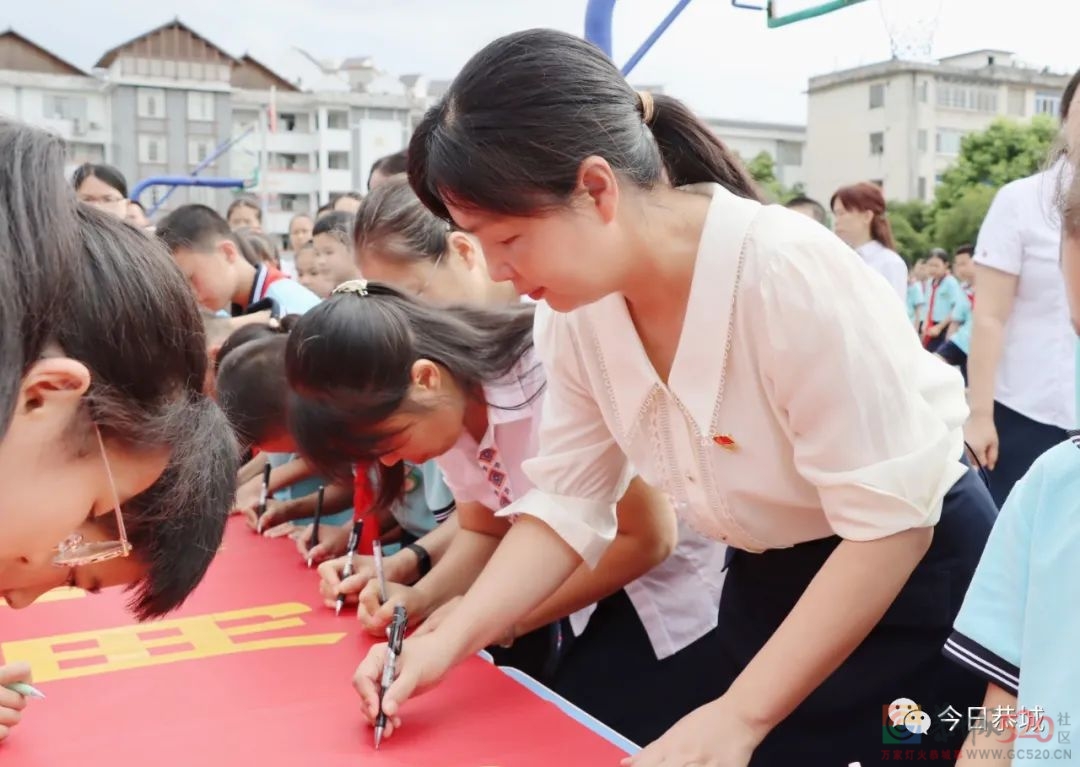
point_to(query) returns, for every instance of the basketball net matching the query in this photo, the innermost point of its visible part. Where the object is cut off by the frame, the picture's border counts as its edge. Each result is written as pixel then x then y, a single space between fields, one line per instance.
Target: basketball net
pixel 911 25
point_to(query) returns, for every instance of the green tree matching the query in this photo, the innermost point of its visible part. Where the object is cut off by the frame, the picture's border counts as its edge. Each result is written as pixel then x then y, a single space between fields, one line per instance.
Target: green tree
pixel 762 168
pixel 959 223
pixel 910 224
pixel 1004 152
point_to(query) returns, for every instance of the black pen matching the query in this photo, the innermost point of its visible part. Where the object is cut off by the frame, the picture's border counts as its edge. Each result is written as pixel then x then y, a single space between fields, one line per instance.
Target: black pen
pixel 350 554
pixel 380 574
pixel 263 496
pixel 315 524
pixel 393 650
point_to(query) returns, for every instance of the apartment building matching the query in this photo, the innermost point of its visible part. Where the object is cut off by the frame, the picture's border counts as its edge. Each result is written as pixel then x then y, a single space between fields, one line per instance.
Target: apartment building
pixel 899 123
pixel 783 142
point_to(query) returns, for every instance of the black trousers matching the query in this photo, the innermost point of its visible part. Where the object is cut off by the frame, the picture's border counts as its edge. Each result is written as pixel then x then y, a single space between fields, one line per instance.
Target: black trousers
pixel 845 720
pixel 1020 441
pixel 611 671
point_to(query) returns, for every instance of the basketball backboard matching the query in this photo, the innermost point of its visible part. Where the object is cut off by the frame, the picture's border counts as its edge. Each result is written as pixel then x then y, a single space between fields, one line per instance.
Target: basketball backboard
pixel 783 12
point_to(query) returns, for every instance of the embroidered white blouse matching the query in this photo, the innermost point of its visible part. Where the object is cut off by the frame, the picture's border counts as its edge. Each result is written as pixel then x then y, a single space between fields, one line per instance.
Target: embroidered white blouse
pixel 793 352
pixel 677 601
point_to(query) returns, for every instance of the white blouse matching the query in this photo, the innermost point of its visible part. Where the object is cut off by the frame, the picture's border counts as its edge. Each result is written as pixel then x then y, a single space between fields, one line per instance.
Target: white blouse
pixel 1021 235
pixel 888 263
pixel 793 353
pixel 677 601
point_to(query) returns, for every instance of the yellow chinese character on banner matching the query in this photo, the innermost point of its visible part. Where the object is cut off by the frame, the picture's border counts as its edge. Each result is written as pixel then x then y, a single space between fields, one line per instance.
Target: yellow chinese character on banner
pixel 203 636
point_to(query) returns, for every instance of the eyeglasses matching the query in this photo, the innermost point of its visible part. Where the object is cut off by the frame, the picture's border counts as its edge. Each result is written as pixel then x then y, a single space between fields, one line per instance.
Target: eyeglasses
pixel 74 551
pixel 430 274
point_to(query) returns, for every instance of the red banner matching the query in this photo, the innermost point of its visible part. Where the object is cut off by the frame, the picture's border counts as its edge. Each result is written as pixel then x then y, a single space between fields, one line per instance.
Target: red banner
pixel 254 670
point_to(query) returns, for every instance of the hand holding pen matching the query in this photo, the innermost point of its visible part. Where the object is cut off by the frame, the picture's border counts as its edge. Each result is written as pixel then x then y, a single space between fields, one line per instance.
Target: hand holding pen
pixel 393 651
pixel 354 541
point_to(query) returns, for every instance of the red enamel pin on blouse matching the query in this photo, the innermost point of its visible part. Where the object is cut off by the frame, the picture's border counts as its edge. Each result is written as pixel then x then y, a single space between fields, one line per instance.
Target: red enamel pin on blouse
pixel 726 441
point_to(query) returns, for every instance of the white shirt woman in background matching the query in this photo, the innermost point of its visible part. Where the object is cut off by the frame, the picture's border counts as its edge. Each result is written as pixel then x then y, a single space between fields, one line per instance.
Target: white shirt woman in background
pixel 1021 366
pixel 859 219
pixel 721 348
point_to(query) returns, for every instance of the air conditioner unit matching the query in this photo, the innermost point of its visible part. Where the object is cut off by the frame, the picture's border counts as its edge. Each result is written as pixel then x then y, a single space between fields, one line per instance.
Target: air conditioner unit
pixel 96 126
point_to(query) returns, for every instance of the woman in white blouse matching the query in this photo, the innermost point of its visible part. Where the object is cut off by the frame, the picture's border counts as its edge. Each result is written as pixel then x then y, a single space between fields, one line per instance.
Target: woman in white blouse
pixel 1021 367
pixel 742 358
pixel 860 220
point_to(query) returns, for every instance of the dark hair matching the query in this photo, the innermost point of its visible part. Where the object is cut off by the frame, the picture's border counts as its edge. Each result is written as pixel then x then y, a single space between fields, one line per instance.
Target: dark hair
pixel 259 249
pixel 175 527
pixel 511 133
pixel 198 227
pixel 137 204
pixel 338 224
pixel 939 253
pixel 244 202
pixel 349 363
pixel 966 249
pixel 1068 94
pixel 394 223
pixel 105 173
pixel 39 250
pixel 251 385
pixel 127 287
pixel 390 165
pixel 805 202
pixel 867 196
pixel 324 209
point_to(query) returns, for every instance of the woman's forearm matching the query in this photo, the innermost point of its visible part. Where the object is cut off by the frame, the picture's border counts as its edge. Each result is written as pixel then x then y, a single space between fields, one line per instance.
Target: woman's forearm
pixel 987 338
pixel 456 571
pixel 842 604
pixel 527 567
pixel 647 534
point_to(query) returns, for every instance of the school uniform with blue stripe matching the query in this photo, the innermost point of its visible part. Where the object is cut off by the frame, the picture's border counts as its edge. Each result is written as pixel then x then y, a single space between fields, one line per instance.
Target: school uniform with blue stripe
pixel 1019 626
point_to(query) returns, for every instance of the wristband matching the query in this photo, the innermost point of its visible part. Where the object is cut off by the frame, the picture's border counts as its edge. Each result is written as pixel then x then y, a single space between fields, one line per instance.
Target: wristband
pixel 423 559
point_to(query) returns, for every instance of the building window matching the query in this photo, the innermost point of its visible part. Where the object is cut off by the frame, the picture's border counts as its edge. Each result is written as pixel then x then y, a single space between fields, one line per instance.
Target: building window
pixel 202 195
pixel 948 141
pixel 1047 103
pixel 199 149
pixel 337 160
pixel 79 152
pixel 294 203
pixel 152 149
pixel 337 120
pixel 200 106
pixel 877 95
pixel 968 98
pixel 877 143
pixel 150 102
pixel 922 187
pixel 922 140
pixel 879 183
pixel 789 153
pixel 1017 102
pixel 924 91
pixel 55 107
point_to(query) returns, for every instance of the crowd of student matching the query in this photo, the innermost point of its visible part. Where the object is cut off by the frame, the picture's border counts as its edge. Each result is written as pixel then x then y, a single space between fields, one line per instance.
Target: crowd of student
pixel 682 456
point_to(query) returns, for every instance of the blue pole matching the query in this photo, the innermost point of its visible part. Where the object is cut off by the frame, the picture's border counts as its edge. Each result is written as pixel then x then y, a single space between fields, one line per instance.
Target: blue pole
pixel 651 39
pixel 174 181
pixel 598 14
pixel 219 150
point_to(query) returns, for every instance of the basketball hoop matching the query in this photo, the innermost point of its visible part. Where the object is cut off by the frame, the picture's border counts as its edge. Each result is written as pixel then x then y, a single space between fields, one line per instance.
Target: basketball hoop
pixel 911 25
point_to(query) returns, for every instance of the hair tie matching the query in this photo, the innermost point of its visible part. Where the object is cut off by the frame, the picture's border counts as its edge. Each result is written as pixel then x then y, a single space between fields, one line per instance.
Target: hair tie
pixel 359 287
pixel 647 105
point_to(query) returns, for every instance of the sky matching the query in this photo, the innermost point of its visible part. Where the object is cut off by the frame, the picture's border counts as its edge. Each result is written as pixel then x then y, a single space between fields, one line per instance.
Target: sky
pixel 722 60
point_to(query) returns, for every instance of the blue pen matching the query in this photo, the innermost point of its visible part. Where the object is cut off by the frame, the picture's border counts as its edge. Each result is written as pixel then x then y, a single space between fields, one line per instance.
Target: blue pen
pixel 27 691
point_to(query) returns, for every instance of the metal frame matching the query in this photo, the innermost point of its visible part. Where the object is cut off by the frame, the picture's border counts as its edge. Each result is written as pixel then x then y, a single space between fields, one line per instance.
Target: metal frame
pixel 175 181
pixel 598 23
